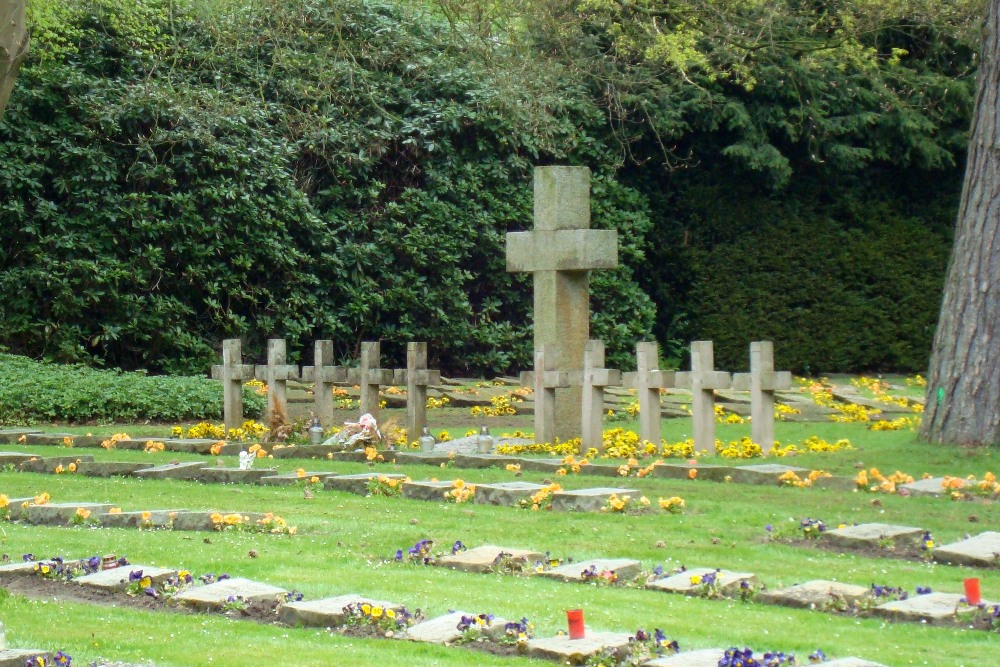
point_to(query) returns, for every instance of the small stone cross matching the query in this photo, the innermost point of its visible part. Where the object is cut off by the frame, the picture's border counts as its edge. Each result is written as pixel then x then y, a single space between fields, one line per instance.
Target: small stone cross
pixel 559 253
pixel 370 377
pixel 276 374
pixel 233 374
pixel 595 379
pixel 762 381
pixel 647 381
pixel 324 375
pixel 545 381
pixel 703 380
pixel 418 377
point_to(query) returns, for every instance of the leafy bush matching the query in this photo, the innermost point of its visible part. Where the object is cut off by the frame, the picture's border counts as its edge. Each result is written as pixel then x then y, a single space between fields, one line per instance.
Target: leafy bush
pixel 35 392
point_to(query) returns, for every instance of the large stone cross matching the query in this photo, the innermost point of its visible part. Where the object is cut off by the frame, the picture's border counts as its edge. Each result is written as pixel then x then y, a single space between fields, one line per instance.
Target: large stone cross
pixel 324 375
pixel 703 380
pixel 418 377
pixel 233 374
pixel 595 379
pixel 370 377
pixel 648 381
pixel 762 381
pixel 276 374
pixel 560 252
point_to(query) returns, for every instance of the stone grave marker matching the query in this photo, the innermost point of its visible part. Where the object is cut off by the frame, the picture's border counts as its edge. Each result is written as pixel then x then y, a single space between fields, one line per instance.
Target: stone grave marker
pixel 324 375
pixel 214 596
pixel 427 490
pixel 867 535
pixel 560 252
pixel 418 378
pixel 293 478
pixel 220 475
pixel 647 382
pixel 19 657
pixel 357 483
pixel 983 550
pixel 9 436
pixel 507 494
pixel 931 486
pixel 541 465
pixel 815 594
pixel 481 559
pixel 546 381
pixel 306 451
pixel 186 470
pixel 595 379
pixel 852 662
pixel 703 380
pixel 109 468
pixel 764 473
pixel 625 568
pixel 728 582
pixel 485 460
pixel 706 657
pixel 712 473
pixel 588 500
pixel 14 458
pixel 762 381
pixel 276 374
pixel 422 458
pixel 117 579
pixel 40 438
pixel 370 377
pixel 201 520
pixel 50 463
pixel 326 612
pixel 59 514
pixel 143 519
pixel 444 629
pixel 233 374
pixel 932 608
pixel 20 567
pixel 576 651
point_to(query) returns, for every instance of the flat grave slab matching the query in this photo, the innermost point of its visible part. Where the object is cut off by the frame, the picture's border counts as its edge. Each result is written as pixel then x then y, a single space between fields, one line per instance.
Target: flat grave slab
pixel 359 455
pixel 144 519
pixel 982 550
pixel 20 567
pixel 202 520
pixel 305 451
pixel 444 629
pixel 326 612
pixel 14 458
pixel 542 465
pixel 219 475
pixel 681 582
pixel 600 470
pixel 932 486
pixel 188 470
pixel 109 468
pixel 506 494
pixel 181 445
pixel 12 435
pixel 293 478
pixel 576 651
pixel 49 464
pixel 117 579
pixel 40 438
pixel 481 559
pixel 214 596
pixel 427 490
pixel 625 568
pixel 423 458
pixel 587 500
pixel 357 483
pixel 933 608
pixel 480 461
pixel 852 662
pixel 706 657
pixel 712 473
pixel 767 473
pixel 59 514
pixel 18 657
pixel 873 535
pixel 815 594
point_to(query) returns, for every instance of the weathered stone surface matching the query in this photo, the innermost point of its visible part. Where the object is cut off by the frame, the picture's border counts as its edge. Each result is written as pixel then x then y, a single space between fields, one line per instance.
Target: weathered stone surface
pixel 727 581
pixel 712 473
pixel 485 460
pixel 12 435
pixel 14 458
pixel 541 465
pixel 427 490
pixel 18 657
pixel 444 629
pixel 932 486
pixel 19 568
pixel 767 473
pixel 815 594
pixel 306 452
pixel 576 651
pixel 202 520
pixel 505 493
pixel 189 470
pixel 357 483
pixel 50 463
pixel 40 438
pixel 214 596
pixel 706 657
pixel 116 579
pixel 326 612
pixel 59 514
pixel 143 519
pixel 109 468
pixel 181 445
pixel 983 550
pixel 625 568
pixel 599 470
pixel 291 479
pixel 482 558
pixel 425 458
pixel 874 534
pixel 587 500
pixel 933 608
pixel 233 475
pixel 359 455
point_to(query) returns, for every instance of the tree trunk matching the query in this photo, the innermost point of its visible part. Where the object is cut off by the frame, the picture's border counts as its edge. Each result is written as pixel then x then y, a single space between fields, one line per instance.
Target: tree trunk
pixel 963 384
pixel 13 45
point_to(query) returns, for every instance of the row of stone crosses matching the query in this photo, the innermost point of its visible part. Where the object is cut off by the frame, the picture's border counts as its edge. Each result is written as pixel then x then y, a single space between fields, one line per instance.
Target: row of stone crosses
pixel 583 387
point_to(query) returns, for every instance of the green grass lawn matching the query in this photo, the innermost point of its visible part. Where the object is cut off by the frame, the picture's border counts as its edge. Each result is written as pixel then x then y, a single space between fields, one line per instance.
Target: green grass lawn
pixel 345 544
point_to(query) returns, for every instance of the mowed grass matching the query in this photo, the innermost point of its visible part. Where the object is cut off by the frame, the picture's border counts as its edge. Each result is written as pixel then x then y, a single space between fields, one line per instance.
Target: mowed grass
pixel 346 542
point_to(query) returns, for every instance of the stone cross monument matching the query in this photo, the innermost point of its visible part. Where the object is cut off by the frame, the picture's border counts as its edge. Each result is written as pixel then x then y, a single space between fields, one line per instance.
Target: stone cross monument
pixel 648 380
pixel 703 380
pixel 762 381
pixel 560 252
pixel 233 374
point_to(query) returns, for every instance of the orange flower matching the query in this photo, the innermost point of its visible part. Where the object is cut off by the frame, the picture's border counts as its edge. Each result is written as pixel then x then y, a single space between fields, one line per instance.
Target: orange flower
pixel 692 473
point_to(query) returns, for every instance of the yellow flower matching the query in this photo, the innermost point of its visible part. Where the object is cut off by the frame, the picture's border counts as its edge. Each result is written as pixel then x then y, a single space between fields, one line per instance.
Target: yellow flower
pixel 314 479
pixel 115 510
pixel 83 512
pixel 695 580
pixel 390 613
pixel 692 473
pixel 366 609
pixel 644 501
pixel 301 472
pixel 42 498
pixel 376 612
pixel 4 501
pixel 68 441
pixel 146 516
pixel 216 518
pixel 59 469
pixel 72 467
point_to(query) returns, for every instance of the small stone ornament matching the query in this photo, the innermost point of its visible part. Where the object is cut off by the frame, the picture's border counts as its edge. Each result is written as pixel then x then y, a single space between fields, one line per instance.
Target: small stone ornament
pixel 246 460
